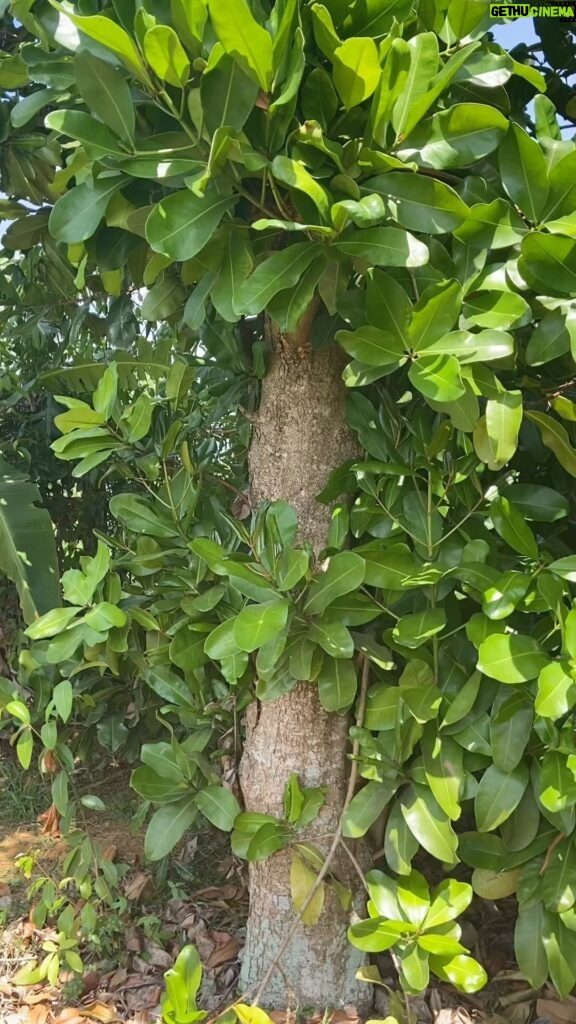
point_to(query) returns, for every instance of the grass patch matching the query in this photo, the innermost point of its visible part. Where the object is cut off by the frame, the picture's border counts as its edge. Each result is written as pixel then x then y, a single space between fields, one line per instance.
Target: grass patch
pixel 23 794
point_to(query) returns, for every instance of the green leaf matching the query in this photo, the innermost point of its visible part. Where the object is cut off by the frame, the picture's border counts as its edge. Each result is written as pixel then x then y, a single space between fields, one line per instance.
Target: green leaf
pixel 112 37
pixel 498 794
pixel 419 203
pixel 437 378
pixel 456 137
pixel 565 568
pixel 400 846
pixel 510 728
pixel 414 969
pixel 372 346
pixel 496 310
pixel 139 517
pixel 503 421
pixel 221 642
pixel 106 93
pixel 511 658
pixel 52 623
pixel 416 629
pixel 551 261
pixel 555 437
pixel 384 247
pixel 556 690
pixel 463 972
pixel 377 934
pixel 356 70
pixel 228 95
pixel 528 946
pixel 182 983
pixel 443 765
pixel 278 272
pixel 139 418
pixel 258 623
pixel 560 946
pixel 27 546
pixel 166 56
pixel 181 225
pixel 549 340
pixel 337 684
pixel 387 305
pixel 167 826
pixel 168 685
pixel 541 504
pixel 97 139
pixel 156 788
pixel 429 824
pixel 510 525
pixel 344 573
pixel 243 38
pixel 366 807
pixel 267 840
pixel 219 806
pixel 104 397
pixel 449 900
pixel 77 214
pixel 523 172
pixel 435 313
pixel 25 749
pixel 558 881
pixel 332 637
pixel 423 67
pixel 62 697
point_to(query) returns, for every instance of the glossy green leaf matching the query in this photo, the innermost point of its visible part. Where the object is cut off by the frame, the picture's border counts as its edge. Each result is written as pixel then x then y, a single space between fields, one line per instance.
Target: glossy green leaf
pixel 400 846
pixel 384 247
pixel 356 70
pixel 538 503
pixel 523 172
pixel 337 684
pixel 258 623
pixel 366 807
pixel 243 39
pixel 510 728
pixel 419 203
pixel 556 690
pixel 181 225
pixel 437 377
pixel 444 769
pixel 218 805
pixel 456 137
pixel 372 346
pixel 113 38
pixel 511 658
pixel 551 261
pixel 461 971
pixel 106 93
pixel 166 56
pixel 511 526
pixel 167 826
pixel 344 573
pixel 429 824
pixel 278 272
pixel 77 214
pixel 550 339
pixel 560 946
pixel 528 946
pixel 422 69
pixel 156 788
pixel 555 437
pixel 498 794
pixel 414 630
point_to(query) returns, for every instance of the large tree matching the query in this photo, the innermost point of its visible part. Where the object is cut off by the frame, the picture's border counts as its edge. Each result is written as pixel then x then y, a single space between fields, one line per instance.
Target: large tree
pixel 329 197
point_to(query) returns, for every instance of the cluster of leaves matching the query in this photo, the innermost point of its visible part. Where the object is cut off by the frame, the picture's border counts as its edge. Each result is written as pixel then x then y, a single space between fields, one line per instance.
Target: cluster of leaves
pixel 242 163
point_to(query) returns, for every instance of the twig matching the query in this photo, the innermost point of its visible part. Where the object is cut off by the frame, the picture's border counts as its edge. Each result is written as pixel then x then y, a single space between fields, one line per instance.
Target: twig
pixel 355 864
pixel 335 841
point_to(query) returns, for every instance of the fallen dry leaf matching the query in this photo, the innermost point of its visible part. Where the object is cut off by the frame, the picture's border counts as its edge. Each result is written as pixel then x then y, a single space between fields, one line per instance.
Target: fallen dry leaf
pixel 141 888
pixel 557 1012
pixel 227 949
pixel 70 1016
pixel 109 852
pixel 50 821
pixel 101 1012
pixel 38 1014
pixel 146 997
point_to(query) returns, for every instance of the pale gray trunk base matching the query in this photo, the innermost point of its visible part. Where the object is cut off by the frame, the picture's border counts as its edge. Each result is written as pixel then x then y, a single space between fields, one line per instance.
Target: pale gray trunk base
pixel 319 966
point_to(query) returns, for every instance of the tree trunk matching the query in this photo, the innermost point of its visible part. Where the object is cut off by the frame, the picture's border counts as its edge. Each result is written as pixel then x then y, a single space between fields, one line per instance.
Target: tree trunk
pixel 300 436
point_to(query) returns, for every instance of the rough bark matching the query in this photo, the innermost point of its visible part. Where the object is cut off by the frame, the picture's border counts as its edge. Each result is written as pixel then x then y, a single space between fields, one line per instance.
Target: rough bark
pixel 299 437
